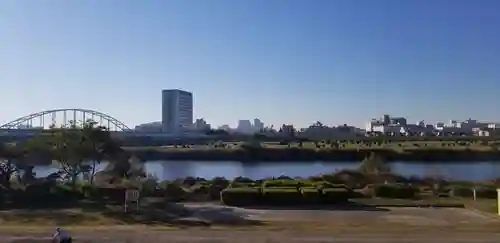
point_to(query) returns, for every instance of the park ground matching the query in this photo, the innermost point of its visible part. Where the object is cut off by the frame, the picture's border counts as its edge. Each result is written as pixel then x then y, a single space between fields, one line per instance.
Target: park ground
pixel 209 222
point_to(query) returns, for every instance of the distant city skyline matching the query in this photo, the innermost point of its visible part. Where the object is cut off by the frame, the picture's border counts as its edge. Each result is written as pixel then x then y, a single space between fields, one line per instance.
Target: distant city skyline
pixel 284 62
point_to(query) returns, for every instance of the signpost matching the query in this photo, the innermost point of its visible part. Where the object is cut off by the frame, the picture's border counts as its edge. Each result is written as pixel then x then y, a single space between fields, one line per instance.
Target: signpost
pixel 132 195
pixel 498 200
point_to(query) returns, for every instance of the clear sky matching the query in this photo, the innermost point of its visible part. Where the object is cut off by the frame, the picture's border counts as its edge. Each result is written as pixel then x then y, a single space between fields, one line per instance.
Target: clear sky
pixel 283 61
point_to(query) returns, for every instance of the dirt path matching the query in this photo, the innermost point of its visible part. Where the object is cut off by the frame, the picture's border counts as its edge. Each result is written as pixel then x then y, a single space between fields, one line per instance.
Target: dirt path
pixel 335 225
pixel 205 236
pixel 353 216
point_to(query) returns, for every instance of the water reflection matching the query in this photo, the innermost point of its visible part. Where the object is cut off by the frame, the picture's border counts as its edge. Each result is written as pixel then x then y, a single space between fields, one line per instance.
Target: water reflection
pixel 168 170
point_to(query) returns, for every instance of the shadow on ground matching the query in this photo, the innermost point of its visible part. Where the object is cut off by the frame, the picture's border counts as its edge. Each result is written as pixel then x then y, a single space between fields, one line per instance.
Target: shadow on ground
pixel 180 214
pixel 150 212
pixel 348 206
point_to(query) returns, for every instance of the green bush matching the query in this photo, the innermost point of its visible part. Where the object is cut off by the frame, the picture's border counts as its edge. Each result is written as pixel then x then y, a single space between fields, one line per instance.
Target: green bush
pixel 189 181
pixel 461 191
pixel 163 184
pixel 174 192
pixel 66 192
pixel 280 183
pixel 336 195
pixel 92 192
pixel 109 194
pixel 486 192
pixel 468 192
pixel 393 191
pixel 239 182
pixel 245 196
pixel 281 196
pixel 220 182
pixel 215 191
pixel 243 185
pixel 311 195
pixel 326 184
pixel 148 187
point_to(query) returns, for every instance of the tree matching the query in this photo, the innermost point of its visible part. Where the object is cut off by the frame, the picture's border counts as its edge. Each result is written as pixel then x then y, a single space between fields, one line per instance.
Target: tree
pixel 124 166
pixel 8 155
pixel 70 148
pixel 374 164
pixel 74 145
pixel 29 152
pixel 99 143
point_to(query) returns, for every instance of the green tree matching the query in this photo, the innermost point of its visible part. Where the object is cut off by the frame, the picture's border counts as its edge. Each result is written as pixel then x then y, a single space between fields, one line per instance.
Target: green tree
pixel 374 164
pixel 8 156
pixel 124 166
pixel 70 148
pixel 99 143
pixel 29 152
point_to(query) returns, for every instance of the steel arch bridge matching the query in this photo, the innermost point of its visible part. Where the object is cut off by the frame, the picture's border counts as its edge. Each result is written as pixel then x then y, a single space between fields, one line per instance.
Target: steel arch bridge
pixel 68 116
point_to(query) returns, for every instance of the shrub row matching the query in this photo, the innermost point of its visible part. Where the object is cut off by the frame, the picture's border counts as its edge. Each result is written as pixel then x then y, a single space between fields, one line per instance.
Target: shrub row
pixel 481 192
pixel 394 191
pixel 251 196
pixel 51 194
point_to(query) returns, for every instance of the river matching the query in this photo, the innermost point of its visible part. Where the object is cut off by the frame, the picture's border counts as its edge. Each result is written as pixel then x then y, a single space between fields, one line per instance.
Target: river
pixel 168 170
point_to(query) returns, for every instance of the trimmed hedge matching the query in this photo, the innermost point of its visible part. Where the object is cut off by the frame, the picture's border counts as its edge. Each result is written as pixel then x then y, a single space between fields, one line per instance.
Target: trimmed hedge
pixel 240 182
pixel 336 195
pixel 461 191
pixel 281 196
pixel 393 191
pixel 246 196
pixel 111 194
pixel 241 196
pixel 311 195
pixel 486 192
pixel 280 183
pixel 220 182
pixel 243 185
pixel 468 192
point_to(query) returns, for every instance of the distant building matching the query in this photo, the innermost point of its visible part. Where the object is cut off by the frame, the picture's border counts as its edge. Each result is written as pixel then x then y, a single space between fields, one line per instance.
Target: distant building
pixel 176 111
pixel 201 125
pixel 258 125
pixel 226 128
pixel 287 130
pixel 245 127
pixel 152 127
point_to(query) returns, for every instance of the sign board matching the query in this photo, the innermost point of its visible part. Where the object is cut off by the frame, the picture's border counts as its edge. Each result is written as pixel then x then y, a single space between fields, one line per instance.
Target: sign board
pixel 498 200
pixel 131 195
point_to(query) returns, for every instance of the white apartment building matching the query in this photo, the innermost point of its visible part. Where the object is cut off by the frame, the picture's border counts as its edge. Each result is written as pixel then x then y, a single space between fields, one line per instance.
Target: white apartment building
pixel 176 111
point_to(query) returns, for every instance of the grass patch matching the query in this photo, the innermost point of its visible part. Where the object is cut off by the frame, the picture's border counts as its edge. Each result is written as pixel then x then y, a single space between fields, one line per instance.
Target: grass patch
pixel 55 217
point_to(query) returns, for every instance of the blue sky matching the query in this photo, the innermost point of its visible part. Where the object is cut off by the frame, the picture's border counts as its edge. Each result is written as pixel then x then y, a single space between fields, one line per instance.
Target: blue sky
pixel 283 61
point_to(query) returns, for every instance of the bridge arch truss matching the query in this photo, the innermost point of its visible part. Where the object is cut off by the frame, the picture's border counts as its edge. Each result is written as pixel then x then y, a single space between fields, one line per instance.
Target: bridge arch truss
pixel 63 118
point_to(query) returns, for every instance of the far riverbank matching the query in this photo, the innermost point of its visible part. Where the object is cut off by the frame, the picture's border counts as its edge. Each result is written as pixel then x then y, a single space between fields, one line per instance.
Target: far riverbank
pixel 305 154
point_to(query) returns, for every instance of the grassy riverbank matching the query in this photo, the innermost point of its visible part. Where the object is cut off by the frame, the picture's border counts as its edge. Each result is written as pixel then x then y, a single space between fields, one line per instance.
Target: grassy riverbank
pixel 167 203
pixel 419 151
pixel 62 199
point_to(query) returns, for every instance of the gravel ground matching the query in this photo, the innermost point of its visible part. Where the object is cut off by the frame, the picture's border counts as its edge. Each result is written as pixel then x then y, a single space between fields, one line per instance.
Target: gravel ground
pixel 368 216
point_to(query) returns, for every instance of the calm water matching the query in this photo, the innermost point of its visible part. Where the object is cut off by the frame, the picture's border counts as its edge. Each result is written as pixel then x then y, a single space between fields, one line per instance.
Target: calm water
pixel 167 170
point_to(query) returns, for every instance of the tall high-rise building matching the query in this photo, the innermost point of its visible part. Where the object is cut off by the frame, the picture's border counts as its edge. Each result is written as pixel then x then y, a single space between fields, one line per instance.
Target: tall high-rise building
pixel 176 110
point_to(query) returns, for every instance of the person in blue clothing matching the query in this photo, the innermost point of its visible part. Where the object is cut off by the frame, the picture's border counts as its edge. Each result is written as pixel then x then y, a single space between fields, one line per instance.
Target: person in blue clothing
pixel 61 236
